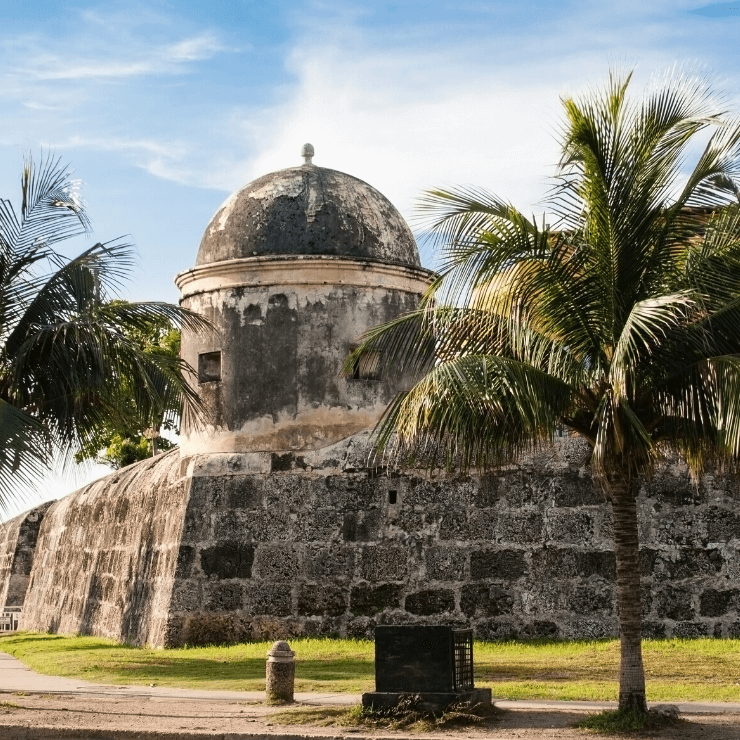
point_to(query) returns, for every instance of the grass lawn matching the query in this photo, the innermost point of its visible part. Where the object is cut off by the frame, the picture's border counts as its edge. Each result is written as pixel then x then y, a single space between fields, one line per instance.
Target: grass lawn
pixel 702 669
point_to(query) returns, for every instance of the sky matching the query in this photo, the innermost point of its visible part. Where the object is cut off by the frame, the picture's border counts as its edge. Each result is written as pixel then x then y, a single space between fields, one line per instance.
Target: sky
pixel 162 109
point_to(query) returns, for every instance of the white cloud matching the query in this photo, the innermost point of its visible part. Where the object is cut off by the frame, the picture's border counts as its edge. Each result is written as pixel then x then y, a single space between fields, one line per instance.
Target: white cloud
pixel 158 60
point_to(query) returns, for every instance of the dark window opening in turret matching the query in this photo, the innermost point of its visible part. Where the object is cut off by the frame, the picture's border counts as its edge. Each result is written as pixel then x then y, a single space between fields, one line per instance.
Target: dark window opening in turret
pixel 367 367
pixel 209 367
pixel 392 497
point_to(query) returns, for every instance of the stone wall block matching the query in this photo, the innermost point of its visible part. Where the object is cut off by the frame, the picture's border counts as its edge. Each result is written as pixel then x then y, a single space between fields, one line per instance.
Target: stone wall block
pixel 198 525
pixel 430 602
pixel 335 562
pixel 352 492
pixel 293 493
pixel 453 525
pixel 717 603
pixel 570 525
pixel 319 525
pixel 442 494
pixel 574 490
pixel 505 565
pixel 207 492
pixel 277 562
pixel 722 524
pixel 675 602
pixel 186 596
pixel 673 490
pixel 361 526
pixel 244 492
pixel 481 600
pixel 275 525
pixel 185 561
pixel 274 599
pixel 380 563
pixel 520 527
pixel 446 563
pixel 319 600
pixel 228 559
pixel 482 525
pixel 369 600
pixel 595 596
pixel 226 596
pixel 691 629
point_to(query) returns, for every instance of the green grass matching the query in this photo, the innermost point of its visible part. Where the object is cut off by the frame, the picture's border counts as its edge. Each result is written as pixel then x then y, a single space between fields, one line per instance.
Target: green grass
pixel 702 669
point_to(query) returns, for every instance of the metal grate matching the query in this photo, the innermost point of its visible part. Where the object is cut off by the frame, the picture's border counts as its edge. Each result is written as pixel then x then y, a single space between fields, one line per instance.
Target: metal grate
pixel 462 645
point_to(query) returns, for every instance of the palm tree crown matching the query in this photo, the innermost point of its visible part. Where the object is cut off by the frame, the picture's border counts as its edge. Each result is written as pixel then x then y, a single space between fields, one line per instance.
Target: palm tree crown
pixel 64 346
pixel 622 323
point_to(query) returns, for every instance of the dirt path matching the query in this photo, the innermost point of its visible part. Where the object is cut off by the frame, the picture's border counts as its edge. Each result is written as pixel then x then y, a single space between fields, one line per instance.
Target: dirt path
pixel 58 717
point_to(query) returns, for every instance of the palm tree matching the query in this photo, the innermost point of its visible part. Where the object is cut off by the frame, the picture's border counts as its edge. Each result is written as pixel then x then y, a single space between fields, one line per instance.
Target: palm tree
pixel 621 325
pixel 64 345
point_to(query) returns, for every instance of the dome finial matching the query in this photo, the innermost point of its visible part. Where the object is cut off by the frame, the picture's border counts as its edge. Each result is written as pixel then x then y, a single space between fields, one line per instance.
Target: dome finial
pixel 307 152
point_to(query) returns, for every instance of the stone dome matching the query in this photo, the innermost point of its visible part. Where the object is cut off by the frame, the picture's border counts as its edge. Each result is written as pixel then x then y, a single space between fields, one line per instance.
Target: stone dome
pixel 308 210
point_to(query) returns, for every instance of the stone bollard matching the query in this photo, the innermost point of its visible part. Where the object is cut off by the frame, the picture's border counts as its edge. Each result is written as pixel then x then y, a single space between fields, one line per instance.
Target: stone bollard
pixel 280 670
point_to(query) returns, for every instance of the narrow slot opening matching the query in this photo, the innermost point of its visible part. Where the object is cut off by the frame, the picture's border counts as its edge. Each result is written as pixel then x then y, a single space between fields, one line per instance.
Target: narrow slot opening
pixel 392 497
pixel 209 366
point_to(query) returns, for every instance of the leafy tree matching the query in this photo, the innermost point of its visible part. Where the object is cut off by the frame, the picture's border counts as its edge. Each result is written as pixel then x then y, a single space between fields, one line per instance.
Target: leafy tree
pixel 65 348
pixel 622 324
pixel 128 434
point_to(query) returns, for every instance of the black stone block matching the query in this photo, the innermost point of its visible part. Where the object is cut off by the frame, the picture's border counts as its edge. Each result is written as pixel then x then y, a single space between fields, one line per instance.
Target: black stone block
pixel 497 564
pixel 366 600
pixel 715 603
pixel 413 659
pixel 228 560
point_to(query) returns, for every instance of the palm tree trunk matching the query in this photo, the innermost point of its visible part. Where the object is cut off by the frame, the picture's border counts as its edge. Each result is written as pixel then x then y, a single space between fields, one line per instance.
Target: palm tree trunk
pixel 627 551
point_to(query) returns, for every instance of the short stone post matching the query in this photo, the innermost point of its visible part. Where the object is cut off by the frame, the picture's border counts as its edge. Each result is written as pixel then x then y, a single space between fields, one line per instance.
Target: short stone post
pixel 280 673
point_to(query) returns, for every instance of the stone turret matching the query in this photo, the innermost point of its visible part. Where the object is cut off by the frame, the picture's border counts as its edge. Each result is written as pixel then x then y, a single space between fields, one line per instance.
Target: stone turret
pixel 292 270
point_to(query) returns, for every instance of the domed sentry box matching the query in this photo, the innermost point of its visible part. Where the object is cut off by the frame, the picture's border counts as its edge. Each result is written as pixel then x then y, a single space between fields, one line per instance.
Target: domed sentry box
pixel 433 663
pixel 292 270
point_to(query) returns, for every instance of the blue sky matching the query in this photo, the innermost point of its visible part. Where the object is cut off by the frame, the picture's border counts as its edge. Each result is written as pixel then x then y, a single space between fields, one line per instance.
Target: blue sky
pixel 164 108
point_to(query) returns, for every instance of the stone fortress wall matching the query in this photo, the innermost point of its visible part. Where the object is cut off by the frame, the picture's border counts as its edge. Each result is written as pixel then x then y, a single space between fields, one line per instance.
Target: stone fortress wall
pixel 243 547
pixel 313 545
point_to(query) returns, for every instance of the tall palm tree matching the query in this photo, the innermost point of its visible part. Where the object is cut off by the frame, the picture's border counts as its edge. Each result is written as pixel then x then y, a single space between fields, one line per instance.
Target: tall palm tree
pixel 621 323
pixel 64 345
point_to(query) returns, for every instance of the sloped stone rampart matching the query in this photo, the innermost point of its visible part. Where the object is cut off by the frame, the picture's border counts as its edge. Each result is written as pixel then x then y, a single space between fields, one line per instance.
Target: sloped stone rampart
pixel 17 545
pixel 106 554
pixel 316 546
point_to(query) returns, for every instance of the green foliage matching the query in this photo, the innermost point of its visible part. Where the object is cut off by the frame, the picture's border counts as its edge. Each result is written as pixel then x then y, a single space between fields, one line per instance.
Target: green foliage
pixel 66 347
pixel 131 433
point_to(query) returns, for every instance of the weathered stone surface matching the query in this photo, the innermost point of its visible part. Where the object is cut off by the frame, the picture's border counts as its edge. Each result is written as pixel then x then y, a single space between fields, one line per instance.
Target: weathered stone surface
pixel 106 556
pixel 17 547
pixel 308 210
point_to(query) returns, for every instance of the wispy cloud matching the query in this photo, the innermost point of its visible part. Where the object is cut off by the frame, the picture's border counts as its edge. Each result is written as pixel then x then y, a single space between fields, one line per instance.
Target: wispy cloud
pixel 166 59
